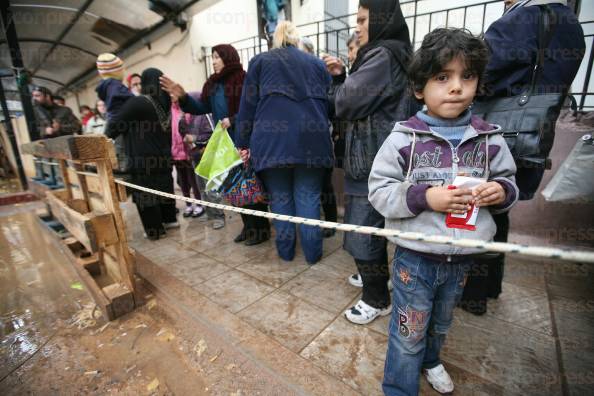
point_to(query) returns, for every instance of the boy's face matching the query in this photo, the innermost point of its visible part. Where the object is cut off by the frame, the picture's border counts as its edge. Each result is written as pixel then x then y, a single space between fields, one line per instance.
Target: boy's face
pixel 448 93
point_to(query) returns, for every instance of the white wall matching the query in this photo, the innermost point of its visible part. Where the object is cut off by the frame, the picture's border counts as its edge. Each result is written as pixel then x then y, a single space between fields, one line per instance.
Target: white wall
pixel 225 21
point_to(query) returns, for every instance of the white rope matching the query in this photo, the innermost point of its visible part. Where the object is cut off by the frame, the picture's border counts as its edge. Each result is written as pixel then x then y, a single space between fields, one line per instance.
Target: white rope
pixel 535 251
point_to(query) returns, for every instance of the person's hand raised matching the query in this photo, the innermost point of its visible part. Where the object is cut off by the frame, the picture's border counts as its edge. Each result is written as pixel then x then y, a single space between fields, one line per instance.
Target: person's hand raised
pixel 334 65
pixel 172 88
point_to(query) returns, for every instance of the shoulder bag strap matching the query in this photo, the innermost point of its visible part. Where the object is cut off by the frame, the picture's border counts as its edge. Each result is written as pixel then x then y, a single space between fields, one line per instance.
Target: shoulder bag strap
pixel 164 120
pixel 546 29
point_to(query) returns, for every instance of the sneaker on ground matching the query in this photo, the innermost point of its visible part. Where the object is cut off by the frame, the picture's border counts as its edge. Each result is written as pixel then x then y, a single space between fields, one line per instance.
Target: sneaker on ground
pixel 198 211
pixel 356 281
pixel 363 313
pixel 173 224
pixel 218 224
pixel 439 379
pixel 189 210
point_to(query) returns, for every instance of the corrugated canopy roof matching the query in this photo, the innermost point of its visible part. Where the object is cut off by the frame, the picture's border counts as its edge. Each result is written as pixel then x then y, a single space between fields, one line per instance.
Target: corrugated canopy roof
pixel 61 39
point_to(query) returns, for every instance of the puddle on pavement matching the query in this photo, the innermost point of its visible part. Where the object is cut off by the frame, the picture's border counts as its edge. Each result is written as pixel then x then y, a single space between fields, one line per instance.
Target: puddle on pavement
pixel 34 289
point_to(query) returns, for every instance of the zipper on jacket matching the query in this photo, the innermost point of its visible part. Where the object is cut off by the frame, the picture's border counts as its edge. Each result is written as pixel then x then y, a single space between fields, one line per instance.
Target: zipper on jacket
pixel 455 160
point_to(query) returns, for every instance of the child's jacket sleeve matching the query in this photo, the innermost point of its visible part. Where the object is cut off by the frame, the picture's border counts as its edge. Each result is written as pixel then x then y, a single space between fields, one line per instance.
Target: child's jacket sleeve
pixel 389 193
pixel 503 170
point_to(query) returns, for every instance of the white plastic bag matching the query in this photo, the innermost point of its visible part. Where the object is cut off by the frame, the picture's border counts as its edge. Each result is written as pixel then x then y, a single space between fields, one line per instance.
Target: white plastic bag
pixel 575 178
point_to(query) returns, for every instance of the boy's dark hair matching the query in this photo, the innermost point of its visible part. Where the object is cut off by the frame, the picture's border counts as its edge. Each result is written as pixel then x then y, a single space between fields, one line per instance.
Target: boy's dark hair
pixel 57 97
pixel 441 46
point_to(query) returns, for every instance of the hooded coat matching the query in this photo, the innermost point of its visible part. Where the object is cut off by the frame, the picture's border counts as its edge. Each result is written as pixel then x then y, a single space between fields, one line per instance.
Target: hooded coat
pixel 374 95
pixel 147 143
pixel 414 158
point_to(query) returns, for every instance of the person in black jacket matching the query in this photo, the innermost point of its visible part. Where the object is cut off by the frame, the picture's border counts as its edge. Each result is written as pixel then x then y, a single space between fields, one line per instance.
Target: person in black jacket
pixel 145 123
pixel 513 42
pixel 371 99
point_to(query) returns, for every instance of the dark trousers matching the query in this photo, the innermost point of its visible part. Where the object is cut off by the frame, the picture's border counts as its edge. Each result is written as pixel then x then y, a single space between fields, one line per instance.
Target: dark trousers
pixel 154 210
pixel 154 215
pixel 256 227
pixel 486 274
pixel 329 198
pixel 375 276
pixel 186 178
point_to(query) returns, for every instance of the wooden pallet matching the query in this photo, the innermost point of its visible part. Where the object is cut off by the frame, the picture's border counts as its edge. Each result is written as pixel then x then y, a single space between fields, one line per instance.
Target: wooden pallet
pixel 88 207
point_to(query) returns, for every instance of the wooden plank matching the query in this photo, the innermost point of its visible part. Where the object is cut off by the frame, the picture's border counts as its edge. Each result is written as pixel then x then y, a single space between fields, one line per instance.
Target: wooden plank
pixel 103 303
pixel 80 180
pixel 111 153
pixel 122 299
pixel 81 148
pixel 90 263
pixel 93 184
pixel 65 178
pixel 122 193
pixel 109 258
pixel 122 255
pixel 72 244
pixel 96 203
pixel 92 230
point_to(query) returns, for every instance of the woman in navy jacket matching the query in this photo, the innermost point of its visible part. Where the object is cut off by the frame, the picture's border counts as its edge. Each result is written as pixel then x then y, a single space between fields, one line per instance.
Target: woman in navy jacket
pixel 513 41
pixel 221 96
pixel 283 128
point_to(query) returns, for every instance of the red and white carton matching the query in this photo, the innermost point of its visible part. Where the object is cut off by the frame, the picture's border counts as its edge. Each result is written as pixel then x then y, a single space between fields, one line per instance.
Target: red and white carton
pixel 466 220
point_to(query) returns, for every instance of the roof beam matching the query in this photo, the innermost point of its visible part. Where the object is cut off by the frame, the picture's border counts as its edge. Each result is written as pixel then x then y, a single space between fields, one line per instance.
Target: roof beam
pixel 134 40
pixel 66 30
pixel 47 41
pixel 39 78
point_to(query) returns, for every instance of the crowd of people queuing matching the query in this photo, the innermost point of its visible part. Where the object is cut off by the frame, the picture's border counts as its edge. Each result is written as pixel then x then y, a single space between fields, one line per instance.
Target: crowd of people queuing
pixel 400 124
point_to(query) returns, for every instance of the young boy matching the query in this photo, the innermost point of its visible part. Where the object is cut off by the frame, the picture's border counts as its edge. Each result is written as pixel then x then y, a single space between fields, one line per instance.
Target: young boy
pixel 411 185
pixel 114 94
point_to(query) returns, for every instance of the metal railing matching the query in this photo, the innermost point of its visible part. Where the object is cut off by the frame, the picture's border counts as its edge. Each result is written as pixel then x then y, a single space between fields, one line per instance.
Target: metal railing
pixel 475 17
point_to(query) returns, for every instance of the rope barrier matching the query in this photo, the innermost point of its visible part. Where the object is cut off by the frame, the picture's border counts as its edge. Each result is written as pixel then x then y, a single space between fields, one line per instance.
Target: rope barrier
pixel 534 251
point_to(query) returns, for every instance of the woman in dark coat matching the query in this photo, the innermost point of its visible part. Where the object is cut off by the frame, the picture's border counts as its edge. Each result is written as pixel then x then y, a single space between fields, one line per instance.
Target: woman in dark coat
pixel 283 122
pixel 513 41
pixel 220 96
pixel 145 121
pixel 370 100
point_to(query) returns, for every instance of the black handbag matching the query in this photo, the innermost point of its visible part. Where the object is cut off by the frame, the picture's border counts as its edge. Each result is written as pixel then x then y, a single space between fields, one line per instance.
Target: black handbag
pixel 528 120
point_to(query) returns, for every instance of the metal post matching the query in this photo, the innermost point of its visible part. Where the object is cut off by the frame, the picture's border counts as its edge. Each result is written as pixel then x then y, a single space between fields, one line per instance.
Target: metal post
pixel 17 63
pixel 587 79
pixel 12 139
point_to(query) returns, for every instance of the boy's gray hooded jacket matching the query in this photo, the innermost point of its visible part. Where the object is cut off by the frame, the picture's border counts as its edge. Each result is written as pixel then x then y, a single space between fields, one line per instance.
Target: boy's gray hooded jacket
pixel 397 188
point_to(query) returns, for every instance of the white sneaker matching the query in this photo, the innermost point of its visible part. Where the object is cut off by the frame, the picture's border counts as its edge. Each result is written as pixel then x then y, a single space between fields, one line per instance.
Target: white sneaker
pixel 173 224
pixel 198 211
pixel 439 379
pixel 363 313
pixel 189 210
pixel 356 281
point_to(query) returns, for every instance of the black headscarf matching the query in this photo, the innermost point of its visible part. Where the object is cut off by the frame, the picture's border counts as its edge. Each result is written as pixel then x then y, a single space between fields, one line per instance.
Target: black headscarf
pixel 388 29
pixel 152 87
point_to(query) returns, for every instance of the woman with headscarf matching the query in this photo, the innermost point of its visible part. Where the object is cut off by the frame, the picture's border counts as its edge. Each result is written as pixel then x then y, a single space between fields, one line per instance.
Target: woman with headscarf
pixel 145 123
pixel 220 96
pixel 370 100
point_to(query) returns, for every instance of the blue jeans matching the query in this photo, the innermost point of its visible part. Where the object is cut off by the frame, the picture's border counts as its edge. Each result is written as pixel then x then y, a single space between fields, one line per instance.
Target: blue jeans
pixel 426 291
pixel 296 191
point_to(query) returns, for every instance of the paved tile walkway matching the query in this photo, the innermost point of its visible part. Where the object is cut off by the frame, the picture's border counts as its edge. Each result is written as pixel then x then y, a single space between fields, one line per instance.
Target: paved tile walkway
pixel 537 338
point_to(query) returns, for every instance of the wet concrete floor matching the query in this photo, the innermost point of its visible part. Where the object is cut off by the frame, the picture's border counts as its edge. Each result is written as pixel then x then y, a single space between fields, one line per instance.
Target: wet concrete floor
pixel 53 340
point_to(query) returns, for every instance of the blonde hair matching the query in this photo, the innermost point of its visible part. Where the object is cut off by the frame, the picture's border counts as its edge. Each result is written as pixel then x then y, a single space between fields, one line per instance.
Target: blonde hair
pixel 285 34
